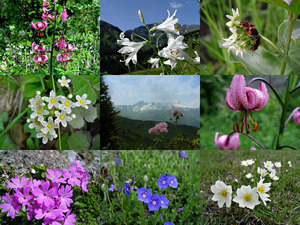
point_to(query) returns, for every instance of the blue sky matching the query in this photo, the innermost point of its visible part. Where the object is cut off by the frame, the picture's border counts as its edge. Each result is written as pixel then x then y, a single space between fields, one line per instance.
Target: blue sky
pixel 127 90
pixel 124 13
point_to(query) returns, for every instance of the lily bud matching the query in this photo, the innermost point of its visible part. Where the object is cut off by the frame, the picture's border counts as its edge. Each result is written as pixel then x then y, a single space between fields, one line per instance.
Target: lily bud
pixel 141 16
pixel 145 179
pixel 64 15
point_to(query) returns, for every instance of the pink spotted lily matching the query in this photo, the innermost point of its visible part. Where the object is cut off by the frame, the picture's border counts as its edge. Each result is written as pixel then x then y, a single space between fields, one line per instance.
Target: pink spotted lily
pixel 245 99
pixel 38 48
pixel 226 142
pixel 40 58
pixel 39 25
pixel 69 47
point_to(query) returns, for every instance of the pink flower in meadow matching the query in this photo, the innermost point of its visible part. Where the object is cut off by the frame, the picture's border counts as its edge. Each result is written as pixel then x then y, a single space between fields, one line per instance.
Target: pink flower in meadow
pixel 296 115
pixel 63 57
pixel 177 112
pixel 252 148
pixel 226 142
pixel 40 58
pixel 69 47
pixel 39 25
pixel 38 48
pixel 64 15
pixel 159 128
pixel 62 42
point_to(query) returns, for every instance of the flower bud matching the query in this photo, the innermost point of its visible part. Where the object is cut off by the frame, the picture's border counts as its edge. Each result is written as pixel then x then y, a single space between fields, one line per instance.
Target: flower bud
pixel 141 16
pixel 38 92
pixel 70 96
pixel 145 179
pixel 103 187
pixel 73 116
pixel 86 107
pixel 28 120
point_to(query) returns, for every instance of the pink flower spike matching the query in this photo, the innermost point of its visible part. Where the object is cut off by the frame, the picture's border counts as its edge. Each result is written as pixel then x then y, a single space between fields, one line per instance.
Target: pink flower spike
pixel 39 25
pixel 227 143
pixel 64 15
pixel 296 116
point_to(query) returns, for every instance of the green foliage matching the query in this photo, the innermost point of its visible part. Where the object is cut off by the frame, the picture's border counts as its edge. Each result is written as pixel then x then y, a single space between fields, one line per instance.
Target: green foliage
pixel 79 140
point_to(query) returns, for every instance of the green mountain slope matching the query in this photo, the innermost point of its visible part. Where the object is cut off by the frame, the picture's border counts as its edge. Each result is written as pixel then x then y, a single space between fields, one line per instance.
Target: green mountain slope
pixel 134 135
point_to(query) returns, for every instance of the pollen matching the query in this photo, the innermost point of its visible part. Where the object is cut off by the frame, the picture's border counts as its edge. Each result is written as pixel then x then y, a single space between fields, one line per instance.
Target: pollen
pixel 62 116
pixel 39 111
pixel 247 197
pixel 261 189
pixel 81 101
pixel 223 193
pixel 67 104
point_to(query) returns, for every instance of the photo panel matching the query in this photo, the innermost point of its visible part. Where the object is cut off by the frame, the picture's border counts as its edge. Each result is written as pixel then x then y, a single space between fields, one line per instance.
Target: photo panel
pixel 150 112
pixel 150 37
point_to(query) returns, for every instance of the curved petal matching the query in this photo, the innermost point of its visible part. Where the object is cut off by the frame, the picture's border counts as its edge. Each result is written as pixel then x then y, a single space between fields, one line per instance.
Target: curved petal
pixel 296 116
pixel 221 141
pixel 236 98
pixel 34 26
pixel 256 99
pixel 234 142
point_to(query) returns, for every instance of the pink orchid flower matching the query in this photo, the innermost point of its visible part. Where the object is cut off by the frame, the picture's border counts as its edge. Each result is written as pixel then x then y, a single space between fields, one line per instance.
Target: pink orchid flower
pixel 226 142
pixel 37 48
pixel 296 115
pixel 69 47
pixel 40 58
pixel 245 99
pixel 39 25
pixel 64 15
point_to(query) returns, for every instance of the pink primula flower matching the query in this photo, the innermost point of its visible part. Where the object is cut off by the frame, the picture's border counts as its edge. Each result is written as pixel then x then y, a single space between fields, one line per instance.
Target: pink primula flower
pixel 15 184
pixel 39 25
pixel 226 142
pixel 12 207
pixel 40 58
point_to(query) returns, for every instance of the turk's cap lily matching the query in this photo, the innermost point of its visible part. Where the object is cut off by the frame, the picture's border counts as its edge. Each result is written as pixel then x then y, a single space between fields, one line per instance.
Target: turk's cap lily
pixel 63 57
pixel 168 25
pixel 69 47
pixel 240 97
pixel 40 58
pixel 39 25
pixel 62 42
pixel 226 142
pixel 296 115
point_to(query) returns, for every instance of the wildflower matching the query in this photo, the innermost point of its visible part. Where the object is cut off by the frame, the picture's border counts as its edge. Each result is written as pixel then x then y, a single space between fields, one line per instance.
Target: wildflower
pixel 262 172
pixel 130 48
pixel 262 189
pixel 273 176
pixel 222 193
pixel 154 203
pixel 269 165
pixel 252 148
pixel 16 183
pixel 118 162
pixel 168 223
pixel 163 181
pixel 36 102
pixel 154 61
pixel 38 48
pixel 81 101
pixel 278 164
pixel 45 194
pixel 144 195
pixel 46 137
pixel 64 82
pixel 69 47
pixel 49 127
pixel 66 105
pixel 289 164
pixel 159 128
pixel 64 196
pixel 64 15
pixel 127 189
pixel 197 59
pixel 40 58
pixel 55 177
pixel 247 162
pixel 288 1
pixel 112 186
pixel 247 197
pixel 69 219
pixel 141 16
pixel 39 112
pixel 39 25
pixel 24 196
pixel 245 99
pixel 72 176
pixel 61 44
pixel 248 175
pixel 226 142
pixel 145 179
pixel 176 113
pixel 62 118
pixel 163 201
pixel 296 115
pixel 168 25
pixel 180 210
pixel 172 181
pixel 63 58
pixel 12 207
pixel 183 154
pixel 174 51
pixel 52 100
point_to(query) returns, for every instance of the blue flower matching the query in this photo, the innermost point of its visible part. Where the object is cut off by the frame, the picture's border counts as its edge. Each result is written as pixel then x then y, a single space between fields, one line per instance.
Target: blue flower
pixel 144 195
pixel 163 182
pixel 118 162
pixel 154 203
pixel 127 189
pixel 172 181
pixel 163 201
pixel 180 210
pixel 112 186
pixel 183 154
pixel 168 223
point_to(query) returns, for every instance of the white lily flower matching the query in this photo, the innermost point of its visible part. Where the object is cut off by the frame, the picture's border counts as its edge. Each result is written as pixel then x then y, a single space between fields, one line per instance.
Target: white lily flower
pixel 154 61
pixel 168 25
pixel 130 48
pixel 174 51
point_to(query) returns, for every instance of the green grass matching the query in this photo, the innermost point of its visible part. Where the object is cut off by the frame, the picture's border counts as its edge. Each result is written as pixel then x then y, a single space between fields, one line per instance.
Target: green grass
pixel 120 209
pixel 226 166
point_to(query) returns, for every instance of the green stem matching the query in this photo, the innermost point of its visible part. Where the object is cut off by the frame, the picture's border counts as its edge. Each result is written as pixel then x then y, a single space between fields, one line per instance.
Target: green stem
pixel 53 40
pixel 288 40
pixel 59 138
pixel 284 113
pixel 13 122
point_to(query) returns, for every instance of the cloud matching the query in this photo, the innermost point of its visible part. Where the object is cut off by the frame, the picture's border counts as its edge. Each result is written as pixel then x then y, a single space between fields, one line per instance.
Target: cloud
pixel 175 5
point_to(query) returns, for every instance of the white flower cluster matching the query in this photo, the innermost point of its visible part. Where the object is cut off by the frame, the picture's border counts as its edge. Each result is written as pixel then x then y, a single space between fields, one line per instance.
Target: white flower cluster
pixel 246 196
pixel 49 112
pixel 174 50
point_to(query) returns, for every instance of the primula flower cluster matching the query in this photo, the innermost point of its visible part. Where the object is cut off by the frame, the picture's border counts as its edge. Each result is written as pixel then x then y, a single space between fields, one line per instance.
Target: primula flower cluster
pixel 174 51
pixel 48 200
pixel 49 112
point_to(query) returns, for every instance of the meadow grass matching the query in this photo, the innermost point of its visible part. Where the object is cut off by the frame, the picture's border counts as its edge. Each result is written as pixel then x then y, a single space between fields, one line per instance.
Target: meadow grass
pixel 226 166
pixel 117 208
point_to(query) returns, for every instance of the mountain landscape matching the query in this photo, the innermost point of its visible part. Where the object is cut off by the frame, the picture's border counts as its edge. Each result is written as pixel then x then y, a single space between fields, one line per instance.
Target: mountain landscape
pixel 160 112
pixel 109 34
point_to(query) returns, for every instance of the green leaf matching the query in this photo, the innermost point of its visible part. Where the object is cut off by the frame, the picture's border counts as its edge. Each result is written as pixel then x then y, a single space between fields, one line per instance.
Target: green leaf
pixel 283 30
pixel 89 115
pixel 293 59
pixel 95 82
pixel 279 3
pixel 30 79
pixel 295 6
pixel 31 89
pixel 30 144
pixel 5 143
pixel 80 140
pixel 78 122
pixel 3 119
pixel 82 86
pixel 96 142
pixel 64 145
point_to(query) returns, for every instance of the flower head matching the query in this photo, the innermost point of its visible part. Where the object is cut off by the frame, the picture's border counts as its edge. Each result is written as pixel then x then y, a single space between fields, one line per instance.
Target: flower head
pixel 163 201
pixel 64 14
pixel 64 82
pixel 144 195
pixel 40 58
pixel 49 127
pixel 172 181
pixel 278 164
pixel 154 61
pixel 12 207
pixel 154 203
pixel 247 197
pixel 159 128
pixel 168 25
pixel 183 154
pixel 262 172
pixel 176 113
pixel 226 142
pixel 82 101
pixel 163 181
pixel 39 25
pixel 62 118
pixel 247 162
pixel 127 189
pixel 222 193
pixel 268 165
pixel 262 188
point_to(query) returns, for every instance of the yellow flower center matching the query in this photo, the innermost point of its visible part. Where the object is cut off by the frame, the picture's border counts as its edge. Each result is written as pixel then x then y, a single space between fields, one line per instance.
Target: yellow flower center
pixel 47 135
pixel 67 104
pixel 64 82
pixel 247 163
pixel 164 182
pixel 154 203
pixel 247 197
pixel 144 196
pixel 62 116
pixel 81 101
pixel 50 126
pixel 38 123
pixel 52 100
pixel 39 111
pixel 261 189
pixel 38 102
pixel 223 193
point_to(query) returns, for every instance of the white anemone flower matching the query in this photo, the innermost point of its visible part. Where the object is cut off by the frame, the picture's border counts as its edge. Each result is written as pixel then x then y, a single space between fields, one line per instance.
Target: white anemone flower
pixel 273 176
pixel 248 175
pixel 66 105
pixel 168 25
pixel 154 61
pixel 49 127
pixel 247 197
pixel 64 82
pixel 269 165
pixel 130 48
pixel 262 189
pixel 222 193
pixel 174 51
pixel 46 137
pixel 247 162
pixel 62 118
pixel 278 164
